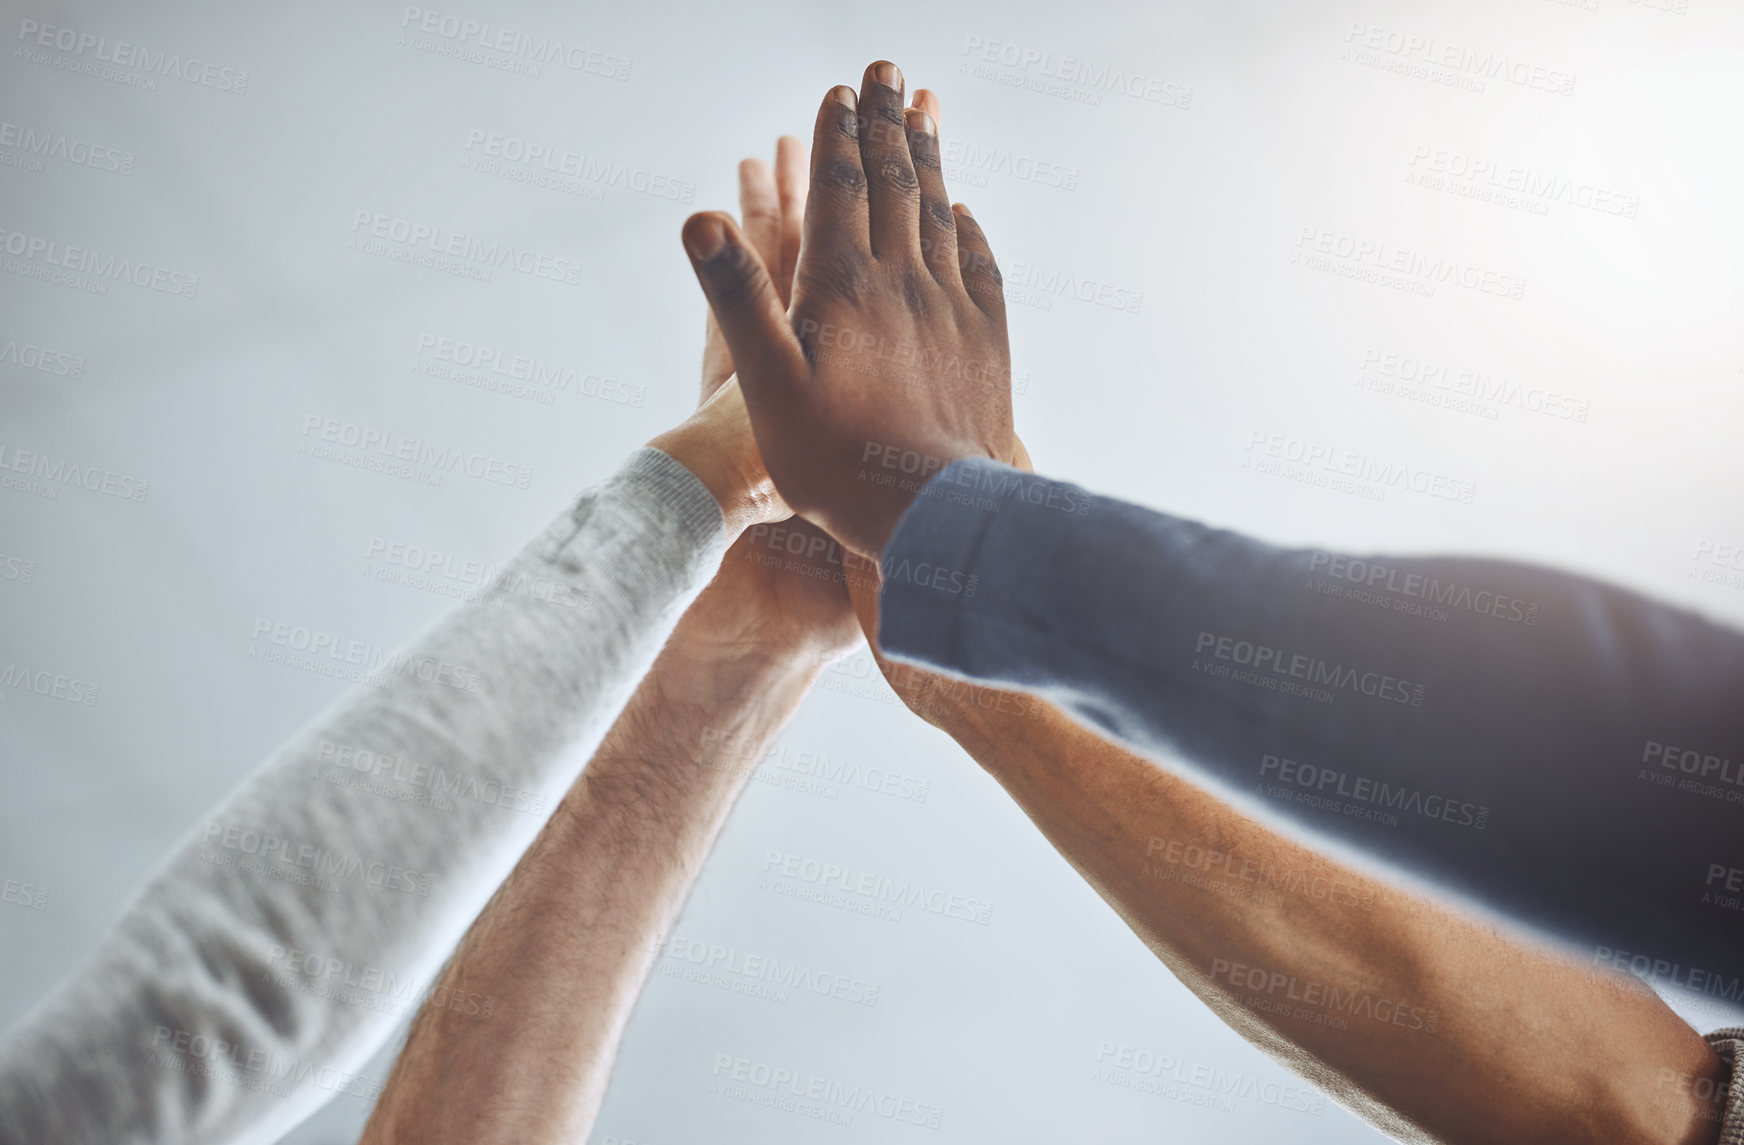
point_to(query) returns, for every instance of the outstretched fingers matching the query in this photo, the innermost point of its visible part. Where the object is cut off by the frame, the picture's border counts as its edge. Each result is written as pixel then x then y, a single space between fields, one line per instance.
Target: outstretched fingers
pixel 760 210
pixel 791 178
pixel 835 212
pixel 893 192
pixel 938 227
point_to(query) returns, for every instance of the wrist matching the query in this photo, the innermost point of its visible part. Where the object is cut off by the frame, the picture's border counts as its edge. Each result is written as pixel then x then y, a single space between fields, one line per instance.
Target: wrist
pixel 729 645
pixel 742 490
pixel 697 727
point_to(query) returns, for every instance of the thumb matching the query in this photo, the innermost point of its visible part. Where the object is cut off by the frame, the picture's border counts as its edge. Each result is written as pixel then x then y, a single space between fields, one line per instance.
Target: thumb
pixel 748 309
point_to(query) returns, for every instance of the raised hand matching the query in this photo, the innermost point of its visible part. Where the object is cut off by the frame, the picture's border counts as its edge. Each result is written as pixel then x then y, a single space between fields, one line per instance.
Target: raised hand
pixel 895 345
pixel 785 580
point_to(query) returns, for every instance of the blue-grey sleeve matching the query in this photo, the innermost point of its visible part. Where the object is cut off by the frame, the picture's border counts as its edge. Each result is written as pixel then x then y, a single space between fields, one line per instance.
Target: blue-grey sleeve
pixel 1566 751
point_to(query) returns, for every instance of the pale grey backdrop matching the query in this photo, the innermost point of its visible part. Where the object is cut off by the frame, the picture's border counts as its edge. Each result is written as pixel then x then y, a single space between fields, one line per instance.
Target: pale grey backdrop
pixel 1266 141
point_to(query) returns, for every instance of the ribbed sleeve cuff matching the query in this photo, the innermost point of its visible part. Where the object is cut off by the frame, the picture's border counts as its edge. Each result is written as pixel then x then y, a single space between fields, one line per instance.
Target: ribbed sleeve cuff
pixel 661 481
pixel 1729 1044
pixel 658 519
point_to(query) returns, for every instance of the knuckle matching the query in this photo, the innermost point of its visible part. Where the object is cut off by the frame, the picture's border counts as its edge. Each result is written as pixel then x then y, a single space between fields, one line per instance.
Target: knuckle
pixel 978 264
pixel 839 272
pixel 925 150
pixel 942 216
pixel 840 177
pixel 896 171
pixel 761 213
pixel 735 280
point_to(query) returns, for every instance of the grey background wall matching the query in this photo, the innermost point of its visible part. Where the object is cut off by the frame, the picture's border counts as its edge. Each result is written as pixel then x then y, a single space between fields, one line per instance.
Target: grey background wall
pixel 1483 255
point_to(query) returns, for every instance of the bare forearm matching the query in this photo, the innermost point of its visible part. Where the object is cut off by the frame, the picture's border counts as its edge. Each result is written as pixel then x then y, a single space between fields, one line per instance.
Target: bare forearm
pixel 561 952
pixel 1432 1025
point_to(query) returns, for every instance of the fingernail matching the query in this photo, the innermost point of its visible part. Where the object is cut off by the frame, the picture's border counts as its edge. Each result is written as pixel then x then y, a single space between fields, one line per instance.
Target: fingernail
pixel 705 238
pixel 888 74
pixel 964 208
pixel 845 97
pixel 918 120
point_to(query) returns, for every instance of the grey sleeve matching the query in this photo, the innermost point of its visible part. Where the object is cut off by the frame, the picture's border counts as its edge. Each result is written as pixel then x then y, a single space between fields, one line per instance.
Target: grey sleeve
pixel 1729 1044
pixel 306 915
